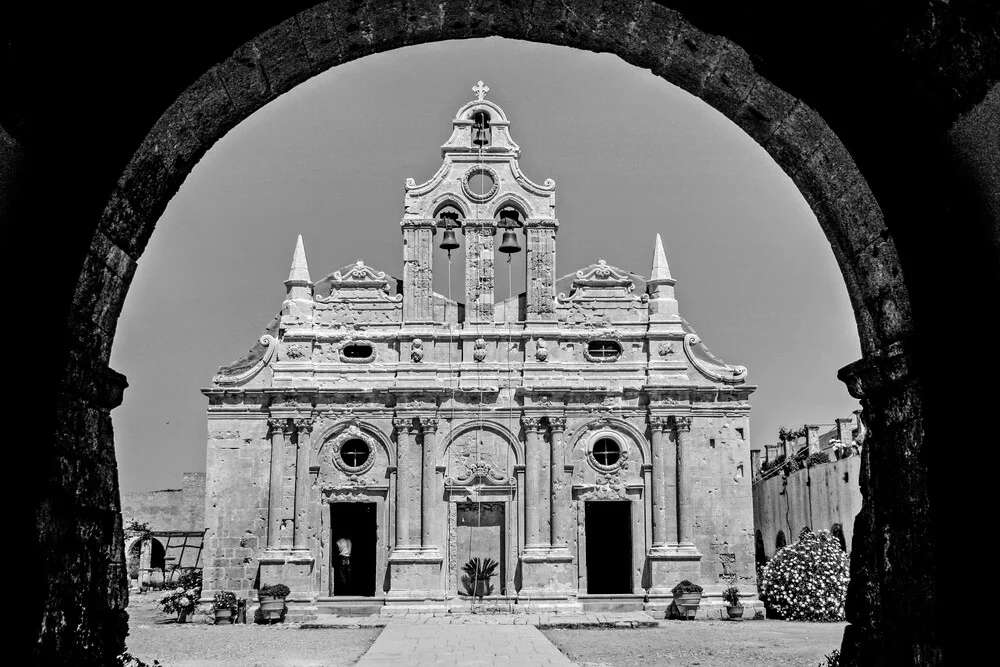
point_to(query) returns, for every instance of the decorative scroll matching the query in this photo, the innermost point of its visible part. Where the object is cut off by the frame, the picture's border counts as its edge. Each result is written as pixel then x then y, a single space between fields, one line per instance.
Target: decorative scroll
pixel 480 457
pixel 602 281
pixel 371 284
pixel 726 373
pixel 267 340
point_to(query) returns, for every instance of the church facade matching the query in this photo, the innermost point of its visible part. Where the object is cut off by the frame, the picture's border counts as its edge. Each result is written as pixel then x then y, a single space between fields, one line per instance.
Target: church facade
pixel 579 434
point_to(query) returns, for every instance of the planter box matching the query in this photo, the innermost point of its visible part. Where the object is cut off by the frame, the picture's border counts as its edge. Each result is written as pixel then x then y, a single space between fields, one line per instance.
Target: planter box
pixel 272 608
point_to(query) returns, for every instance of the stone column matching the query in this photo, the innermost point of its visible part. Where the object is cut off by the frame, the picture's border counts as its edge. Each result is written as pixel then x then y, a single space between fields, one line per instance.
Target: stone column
pixel 418 271
pixel 685 471
pixel 428 482
pixel 664 469
pixel 405 479
pixel 540 268
pixel 561 496
pixel 535 481
pixel 479 270
pixel 303 429
pixel 274 496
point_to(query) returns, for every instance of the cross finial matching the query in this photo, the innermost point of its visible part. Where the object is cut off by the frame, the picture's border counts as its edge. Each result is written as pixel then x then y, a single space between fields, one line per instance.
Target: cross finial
pixel 480 89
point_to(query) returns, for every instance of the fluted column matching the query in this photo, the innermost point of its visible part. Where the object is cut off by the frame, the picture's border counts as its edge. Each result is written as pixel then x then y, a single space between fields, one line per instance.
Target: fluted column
pixel 685 470
pixel 405 479
pixel 303 428
pixel 428 486
pixel 479 270
pixel 274 496
pixel 560 499
pixel 418 274
pixel 540 268
pixel 664 469
pixel 535 481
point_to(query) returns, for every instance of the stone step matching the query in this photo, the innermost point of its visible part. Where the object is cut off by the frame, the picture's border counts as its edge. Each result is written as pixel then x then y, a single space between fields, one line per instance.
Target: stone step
pixel 612 603
pixel 349 606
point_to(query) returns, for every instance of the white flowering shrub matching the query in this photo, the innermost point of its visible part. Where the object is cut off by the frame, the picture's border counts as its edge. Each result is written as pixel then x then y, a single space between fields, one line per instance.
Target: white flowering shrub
pixel 183 598
pixel 807 580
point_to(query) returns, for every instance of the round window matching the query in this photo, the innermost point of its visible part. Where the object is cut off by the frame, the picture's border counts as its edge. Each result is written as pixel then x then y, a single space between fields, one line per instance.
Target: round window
pixel 607 452
pixel 354 453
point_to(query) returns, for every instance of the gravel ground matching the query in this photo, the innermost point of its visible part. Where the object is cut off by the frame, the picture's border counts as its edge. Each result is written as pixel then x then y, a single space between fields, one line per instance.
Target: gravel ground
pixel 155 635
pixel 705 643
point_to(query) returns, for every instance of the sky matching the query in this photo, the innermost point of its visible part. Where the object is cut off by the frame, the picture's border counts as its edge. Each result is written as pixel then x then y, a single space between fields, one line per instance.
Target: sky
pixel 631 155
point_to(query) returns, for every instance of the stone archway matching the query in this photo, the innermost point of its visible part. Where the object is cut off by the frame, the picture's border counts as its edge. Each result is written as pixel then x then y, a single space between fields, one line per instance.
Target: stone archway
pixel 644 34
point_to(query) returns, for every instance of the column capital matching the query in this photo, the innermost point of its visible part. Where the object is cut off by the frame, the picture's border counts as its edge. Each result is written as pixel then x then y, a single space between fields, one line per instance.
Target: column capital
pixel 304 424
pixel 660 422
pixel 682 423
pixel 429 423
pixel 557 423
pixel 402 423
pixel 532 423
pixel 276 424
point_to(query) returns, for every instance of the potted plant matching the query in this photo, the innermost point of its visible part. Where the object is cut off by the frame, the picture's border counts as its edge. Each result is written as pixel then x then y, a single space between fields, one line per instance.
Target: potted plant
pixel 224 607
pixel 272 601
pixel 687 598
pixel 734 607
pixel 478 573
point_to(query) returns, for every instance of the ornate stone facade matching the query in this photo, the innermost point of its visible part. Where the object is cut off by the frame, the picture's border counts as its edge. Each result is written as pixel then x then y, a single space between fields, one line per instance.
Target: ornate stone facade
pixel 580 433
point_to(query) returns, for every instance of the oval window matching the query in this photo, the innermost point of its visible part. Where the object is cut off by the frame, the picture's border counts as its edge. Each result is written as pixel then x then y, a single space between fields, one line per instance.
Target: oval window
pixel 354 453
pixel 607 452
pixel 358 351
pixel 604 350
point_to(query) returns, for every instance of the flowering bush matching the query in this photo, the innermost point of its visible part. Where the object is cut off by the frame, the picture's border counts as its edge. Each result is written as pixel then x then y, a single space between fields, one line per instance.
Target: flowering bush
pixel 183 598
pixel 274 591
pixel 225 600
pixel 807 580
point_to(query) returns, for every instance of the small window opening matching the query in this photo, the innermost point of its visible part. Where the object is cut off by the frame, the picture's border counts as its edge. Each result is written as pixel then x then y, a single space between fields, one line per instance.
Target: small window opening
pixel 604 349
pixel 607 452
pixel 354 453
pixel 358 351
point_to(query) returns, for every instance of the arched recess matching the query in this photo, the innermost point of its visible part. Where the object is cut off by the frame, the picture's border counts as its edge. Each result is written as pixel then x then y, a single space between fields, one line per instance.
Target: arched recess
pixel 496 428
pixel 644 34
pixel 345 427
pixel 579 436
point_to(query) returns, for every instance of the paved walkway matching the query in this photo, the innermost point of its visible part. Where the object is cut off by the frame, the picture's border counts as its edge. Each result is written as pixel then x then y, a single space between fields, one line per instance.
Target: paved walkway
pixel 636 619
pixel 405 643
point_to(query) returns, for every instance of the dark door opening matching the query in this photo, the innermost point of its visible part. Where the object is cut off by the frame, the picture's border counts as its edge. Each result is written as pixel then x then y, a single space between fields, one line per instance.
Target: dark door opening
pixel 353 538
pixel 609 546
pixel 480 533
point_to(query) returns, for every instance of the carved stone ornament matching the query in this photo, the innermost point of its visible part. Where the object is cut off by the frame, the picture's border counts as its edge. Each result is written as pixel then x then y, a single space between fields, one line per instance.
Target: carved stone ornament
pixel 304 425
pixel 665 349
pixel 557 423
pixel 295 351
pixel 722 373
pixel 475 171
pixel 417 350
pixel 271 343
pixel 479 350
pixel 541 350
pixel 615 468
pixel 360 277
pixel 602 281
pixel 682 423
pixel 532 423
pixel 351 433
pixel 659 423
pixel 479 457
pixel 276 424
pixel 429 424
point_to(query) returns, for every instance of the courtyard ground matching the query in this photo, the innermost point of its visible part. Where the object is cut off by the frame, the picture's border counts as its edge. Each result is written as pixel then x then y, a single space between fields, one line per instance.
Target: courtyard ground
pixel 703 643
pixel 442 641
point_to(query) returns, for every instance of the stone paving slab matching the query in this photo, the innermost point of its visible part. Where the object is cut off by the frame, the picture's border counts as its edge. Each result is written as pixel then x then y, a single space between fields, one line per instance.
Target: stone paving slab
pixel 636 619
pixel 418 644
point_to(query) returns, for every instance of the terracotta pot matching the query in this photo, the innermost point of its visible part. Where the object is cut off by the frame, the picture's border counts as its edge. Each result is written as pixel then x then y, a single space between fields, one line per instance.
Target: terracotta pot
pixel 734 612
pixel 223 616
pixel 687 604
pixel 272 607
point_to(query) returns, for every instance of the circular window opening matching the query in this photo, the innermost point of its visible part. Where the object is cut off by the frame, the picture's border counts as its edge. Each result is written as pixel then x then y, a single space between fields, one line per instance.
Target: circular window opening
pixel 604 350
pixel 481 183
pixel 607 452
pixel 358 351
pixel 354 453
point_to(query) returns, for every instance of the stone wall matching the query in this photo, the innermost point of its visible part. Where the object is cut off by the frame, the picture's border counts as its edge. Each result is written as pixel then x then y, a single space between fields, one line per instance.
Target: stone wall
pixel 168 509
pixel 817 497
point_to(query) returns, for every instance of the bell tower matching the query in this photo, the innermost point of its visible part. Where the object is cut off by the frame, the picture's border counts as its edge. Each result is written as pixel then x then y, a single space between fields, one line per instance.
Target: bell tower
pixel 479 189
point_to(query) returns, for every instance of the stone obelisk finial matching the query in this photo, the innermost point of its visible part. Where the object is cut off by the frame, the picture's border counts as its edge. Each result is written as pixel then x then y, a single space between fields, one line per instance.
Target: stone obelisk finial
pixel 662 304
pixel 299 285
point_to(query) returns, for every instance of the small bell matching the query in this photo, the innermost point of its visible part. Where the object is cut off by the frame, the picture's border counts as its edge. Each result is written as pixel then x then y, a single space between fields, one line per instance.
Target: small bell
pixel 508 243
pixel 449 241
pixel 480 129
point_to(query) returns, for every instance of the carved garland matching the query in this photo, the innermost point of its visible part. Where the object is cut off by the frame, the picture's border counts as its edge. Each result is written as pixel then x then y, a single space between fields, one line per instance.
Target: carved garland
pixel 730 374
pixel 480 169
pixel 267 340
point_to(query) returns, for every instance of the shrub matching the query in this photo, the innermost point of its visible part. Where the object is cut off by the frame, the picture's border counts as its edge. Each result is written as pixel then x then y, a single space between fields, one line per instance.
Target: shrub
pixel 182 598
pixel 771 465
pixel 832 659
pixel 686 587
pixel 225 600
pixel 732 596
pixel 274 591
pixel 807 580
pixel 817 458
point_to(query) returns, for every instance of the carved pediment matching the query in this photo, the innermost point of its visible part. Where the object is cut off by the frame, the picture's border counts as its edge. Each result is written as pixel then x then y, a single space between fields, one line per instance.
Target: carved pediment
pixel 604 282
pixel 359 282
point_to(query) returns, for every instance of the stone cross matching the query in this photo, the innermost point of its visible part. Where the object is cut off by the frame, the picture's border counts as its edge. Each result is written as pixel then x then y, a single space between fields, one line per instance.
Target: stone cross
pixel 480 89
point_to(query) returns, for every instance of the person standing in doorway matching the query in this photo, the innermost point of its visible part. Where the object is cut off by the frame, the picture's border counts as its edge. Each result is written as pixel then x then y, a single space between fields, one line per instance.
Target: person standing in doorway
pixel 344 566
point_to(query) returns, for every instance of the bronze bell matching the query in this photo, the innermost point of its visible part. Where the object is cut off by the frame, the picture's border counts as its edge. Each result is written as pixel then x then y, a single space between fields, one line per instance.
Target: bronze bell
pixel 449 242
pixel 508 244
pixel 480 129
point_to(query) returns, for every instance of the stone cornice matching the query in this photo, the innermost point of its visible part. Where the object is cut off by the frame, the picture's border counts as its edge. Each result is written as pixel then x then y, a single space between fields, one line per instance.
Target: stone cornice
pixel 880 373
